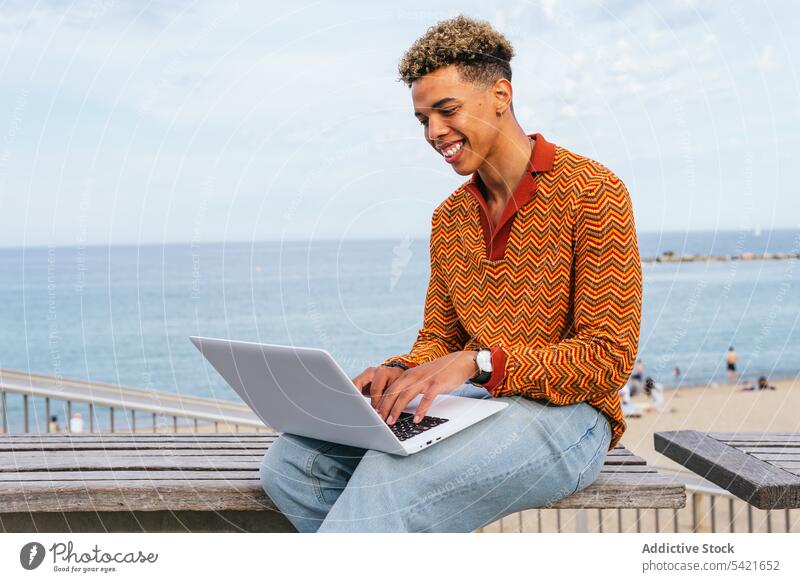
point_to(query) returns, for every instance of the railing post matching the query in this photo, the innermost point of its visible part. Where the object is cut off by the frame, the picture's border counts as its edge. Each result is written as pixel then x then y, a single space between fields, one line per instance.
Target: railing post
pixel 154 422
pixel 216 426
pixel 539 519
pixel 581 522
pixel 558 520
pixel 658 528
pixel 749 518
pixel 47 414
pixel 91 417
pixel 195 425
pixel 600 519
pixel 69 415
pixel 769 521
pixel 675 519
pixel 5 411
pixel 111 414
pixel 788 522
pixel 695 510
pixel 712 500
pixel 133 420
pixel 25 401
pixel 731 515
pixel 174 424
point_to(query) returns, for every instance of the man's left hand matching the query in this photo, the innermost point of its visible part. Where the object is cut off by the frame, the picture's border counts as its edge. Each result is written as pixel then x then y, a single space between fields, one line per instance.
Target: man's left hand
pixel 442 375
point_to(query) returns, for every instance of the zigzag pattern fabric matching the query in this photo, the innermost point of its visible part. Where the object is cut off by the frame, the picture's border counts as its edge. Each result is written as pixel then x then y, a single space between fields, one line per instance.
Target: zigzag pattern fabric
pixel 563 303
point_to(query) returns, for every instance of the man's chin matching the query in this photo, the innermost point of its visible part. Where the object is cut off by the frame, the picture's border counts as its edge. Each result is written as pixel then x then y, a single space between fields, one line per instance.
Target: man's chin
pixel 463 170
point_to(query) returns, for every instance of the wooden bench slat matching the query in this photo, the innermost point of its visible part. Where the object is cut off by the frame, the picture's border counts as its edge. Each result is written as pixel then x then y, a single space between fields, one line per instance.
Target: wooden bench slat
pixel 743 434
pixel 773 457
pixel 12 439
pixel 753 480
pixel 89 476
pixel 755 436
pixel 51 447
pixel 762 443
pixel 646 490
pixel 778 450
pixel 140 464
pixel 643 490
pixel 137 435
pixel 627 469
pixel 626 460
pixel 27 457
pixel 138 495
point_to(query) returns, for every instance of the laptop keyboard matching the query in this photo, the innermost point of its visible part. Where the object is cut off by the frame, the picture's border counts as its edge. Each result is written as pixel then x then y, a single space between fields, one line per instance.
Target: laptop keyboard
pixel 404 427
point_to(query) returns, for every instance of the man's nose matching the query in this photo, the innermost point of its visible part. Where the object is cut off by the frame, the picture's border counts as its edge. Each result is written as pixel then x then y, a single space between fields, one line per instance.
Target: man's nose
pixel 436 129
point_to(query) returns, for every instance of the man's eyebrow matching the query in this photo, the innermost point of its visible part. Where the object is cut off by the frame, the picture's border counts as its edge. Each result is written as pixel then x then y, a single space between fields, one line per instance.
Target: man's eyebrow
pixel 438 104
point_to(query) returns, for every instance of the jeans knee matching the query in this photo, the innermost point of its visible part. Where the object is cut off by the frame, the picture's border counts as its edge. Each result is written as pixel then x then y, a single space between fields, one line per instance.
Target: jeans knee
pixel 269 470
pixel 277 467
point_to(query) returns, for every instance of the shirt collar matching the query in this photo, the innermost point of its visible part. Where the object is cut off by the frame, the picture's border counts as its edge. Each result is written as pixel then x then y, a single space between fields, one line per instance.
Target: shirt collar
pixel 542 157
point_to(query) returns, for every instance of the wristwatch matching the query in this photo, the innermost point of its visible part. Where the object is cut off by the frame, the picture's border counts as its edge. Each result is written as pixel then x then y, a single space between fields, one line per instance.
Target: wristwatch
pixel 483 359
pixel 396 365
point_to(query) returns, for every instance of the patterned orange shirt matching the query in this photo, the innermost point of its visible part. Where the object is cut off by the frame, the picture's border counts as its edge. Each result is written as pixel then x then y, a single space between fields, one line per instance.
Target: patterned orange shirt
pixel 555 290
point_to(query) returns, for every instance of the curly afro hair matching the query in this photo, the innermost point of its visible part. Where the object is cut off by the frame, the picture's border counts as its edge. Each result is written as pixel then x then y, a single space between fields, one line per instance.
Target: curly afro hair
pixel 481 54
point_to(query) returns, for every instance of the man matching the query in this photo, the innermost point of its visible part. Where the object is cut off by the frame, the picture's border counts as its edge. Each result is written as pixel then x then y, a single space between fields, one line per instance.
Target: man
pixel 534 297
pixel 730 359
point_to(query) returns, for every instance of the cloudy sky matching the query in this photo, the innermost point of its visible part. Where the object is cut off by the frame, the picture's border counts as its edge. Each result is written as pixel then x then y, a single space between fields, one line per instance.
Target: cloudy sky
pixel 150 122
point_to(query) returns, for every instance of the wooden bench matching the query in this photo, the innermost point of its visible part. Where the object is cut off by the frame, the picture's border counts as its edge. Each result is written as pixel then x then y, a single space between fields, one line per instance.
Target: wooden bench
pixel 205 482
pixel 763 469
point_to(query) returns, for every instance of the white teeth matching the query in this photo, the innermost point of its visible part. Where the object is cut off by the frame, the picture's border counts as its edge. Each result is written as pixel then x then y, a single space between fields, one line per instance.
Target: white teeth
pixel 453 150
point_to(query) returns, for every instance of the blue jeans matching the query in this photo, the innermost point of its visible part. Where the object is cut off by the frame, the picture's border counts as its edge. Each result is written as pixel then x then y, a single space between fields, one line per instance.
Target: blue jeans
pixel 529 454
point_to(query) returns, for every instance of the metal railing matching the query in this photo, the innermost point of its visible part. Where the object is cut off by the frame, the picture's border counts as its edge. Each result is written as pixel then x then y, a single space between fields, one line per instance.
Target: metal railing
pixel 708 509
pixel 194 413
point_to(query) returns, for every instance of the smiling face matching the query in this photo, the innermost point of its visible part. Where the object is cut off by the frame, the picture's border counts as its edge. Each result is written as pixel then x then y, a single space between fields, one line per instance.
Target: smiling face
pixel 459 118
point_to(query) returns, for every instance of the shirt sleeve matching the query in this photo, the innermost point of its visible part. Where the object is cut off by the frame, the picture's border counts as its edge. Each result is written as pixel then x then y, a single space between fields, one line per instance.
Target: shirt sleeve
pixel 599 351
pixel 441 332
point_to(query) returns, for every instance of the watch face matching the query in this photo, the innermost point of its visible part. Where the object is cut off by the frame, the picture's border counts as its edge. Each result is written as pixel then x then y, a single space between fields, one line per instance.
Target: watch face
pixel 484 360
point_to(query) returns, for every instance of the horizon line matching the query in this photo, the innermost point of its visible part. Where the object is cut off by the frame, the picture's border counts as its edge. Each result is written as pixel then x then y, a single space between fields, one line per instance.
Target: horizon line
pixel 350 239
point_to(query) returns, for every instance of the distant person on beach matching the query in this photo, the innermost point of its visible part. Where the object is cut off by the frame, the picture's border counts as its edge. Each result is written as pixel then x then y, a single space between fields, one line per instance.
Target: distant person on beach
pixel 731 357
pixel 761 384
pixel 76 423
pixel 636 378
pixel 676 374
pixel 656 393
pixel 52 426
pixel 629 409
pixel 534 299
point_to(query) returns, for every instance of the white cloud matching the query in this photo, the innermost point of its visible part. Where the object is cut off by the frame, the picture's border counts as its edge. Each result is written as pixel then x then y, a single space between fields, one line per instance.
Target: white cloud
pixel 767 60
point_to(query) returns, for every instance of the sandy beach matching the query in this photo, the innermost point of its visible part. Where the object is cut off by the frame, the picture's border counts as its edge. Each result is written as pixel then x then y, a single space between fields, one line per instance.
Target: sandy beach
pixel 722 408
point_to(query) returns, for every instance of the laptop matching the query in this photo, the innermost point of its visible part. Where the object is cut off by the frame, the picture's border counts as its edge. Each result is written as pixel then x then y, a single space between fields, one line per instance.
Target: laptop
pixel 304 391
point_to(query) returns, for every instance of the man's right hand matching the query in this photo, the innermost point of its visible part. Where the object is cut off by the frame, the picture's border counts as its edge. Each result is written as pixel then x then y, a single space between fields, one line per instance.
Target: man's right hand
pixel 374 381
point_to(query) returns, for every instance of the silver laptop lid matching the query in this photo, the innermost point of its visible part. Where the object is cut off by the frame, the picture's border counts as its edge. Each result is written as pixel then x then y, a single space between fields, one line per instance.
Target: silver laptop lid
pixel 297 390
